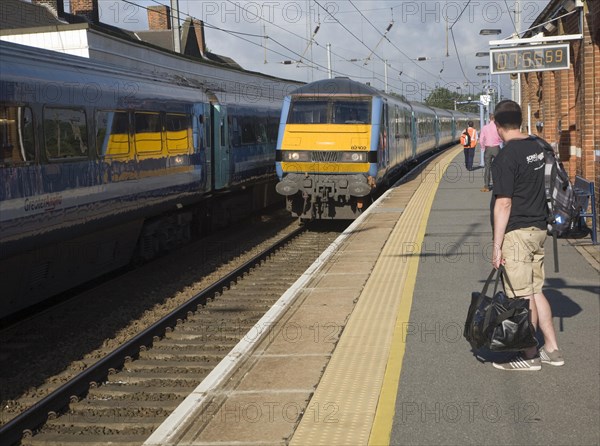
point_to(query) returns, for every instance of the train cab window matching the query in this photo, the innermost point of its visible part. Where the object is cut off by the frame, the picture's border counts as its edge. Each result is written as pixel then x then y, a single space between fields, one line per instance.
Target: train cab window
pixel 112 133
pixel 178 132
pixel 65 133
pixel 148 129
pixel 16 135
pixel 350 112
pixel 308 112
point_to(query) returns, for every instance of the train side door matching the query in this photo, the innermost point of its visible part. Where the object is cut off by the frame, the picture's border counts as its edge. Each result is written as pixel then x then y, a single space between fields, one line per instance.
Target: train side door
pixel 201 131
pixel 414 133
pixel 407 139
pixel 221 160
pixel 383 138
pixel 454 134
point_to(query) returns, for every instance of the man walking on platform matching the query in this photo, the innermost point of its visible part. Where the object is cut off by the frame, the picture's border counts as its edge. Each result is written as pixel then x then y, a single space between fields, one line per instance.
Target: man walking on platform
pixel 518 211
pixel 468 139
pixel 489 142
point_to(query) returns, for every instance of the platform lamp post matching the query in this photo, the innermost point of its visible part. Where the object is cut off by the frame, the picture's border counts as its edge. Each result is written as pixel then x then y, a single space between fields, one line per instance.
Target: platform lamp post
pixel 482 117
pixel 493 32
pixel 458 92
pixel 489 82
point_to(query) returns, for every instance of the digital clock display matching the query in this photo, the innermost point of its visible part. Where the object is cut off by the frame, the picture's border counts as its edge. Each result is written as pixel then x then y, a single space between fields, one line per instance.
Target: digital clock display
pixel 529 58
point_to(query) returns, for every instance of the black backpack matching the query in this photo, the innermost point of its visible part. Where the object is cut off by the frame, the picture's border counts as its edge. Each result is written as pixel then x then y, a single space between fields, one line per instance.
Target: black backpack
pixel 562 209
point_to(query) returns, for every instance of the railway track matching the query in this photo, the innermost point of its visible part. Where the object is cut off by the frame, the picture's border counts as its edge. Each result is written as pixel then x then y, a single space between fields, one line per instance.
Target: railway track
pixel 126 395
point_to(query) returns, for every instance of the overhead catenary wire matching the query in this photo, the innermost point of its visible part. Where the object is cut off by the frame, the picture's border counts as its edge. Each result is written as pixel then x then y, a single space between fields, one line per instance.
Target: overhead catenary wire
pixel 394 45
pixel 321 68
pixel 454 43
pixel 364 44
pixel 309 41
pixel 317 66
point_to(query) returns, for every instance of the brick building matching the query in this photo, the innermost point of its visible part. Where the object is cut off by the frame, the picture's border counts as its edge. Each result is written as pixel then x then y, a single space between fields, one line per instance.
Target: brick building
pixel 565 104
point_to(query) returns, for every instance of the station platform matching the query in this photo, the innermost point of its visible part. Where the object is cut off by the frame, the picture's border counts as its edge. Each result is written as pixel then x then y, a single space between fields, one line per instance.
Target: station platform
pixel 367 347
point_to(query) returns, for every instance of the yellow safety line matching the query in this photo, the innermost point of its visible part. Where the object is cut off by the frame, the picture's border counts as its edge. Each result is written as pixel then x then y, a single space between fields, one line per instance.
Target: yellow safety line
pixel 384 416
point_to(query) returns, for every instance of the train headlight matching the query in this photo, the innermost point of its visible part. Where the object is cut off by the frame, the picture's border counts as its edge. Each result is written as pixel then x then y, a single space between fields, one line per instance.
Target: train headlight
pixel 354 157
pixel 289 155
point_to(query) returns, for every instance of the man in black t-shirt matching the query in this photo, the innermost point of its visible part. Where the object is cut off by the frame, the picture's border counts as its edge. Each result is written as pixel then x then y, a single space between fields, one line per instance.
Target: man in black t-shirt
pixel 518 213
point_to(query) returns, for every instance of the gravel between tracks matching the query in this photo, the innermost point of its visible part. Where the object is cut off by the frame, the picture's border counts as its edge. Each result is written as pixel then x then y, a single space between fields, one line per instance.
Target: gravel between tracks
pixel 40 354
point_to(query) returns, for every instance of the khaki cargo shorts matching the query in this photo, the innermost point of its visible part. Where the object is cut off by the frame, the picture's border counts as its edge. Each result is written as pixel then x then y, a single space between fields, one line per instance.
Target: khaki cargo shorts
pixel 523 251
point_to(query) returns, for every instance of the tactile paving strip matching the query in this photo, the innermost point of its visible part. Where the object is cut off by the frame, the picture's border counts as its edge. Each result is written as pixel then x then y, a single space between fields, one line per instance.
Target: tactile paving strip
pixel 342 410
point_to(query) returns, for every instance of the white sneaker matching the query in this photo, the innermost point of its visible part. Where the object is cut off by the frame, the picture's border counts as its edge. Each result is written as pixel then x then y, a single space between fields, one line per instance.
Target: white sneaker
pixel 520 363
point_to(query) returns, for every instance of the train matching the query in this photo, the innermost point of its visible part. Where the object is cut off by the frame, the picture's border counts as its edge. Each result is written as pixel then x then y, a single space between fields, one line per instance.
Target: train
pixel 101 166
pixel 340 142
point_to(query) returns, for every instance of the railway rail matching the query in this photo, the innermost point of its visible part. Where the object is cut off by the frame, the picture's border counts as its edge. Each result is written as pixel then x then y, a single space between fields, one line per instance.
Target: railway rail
pixel 124 396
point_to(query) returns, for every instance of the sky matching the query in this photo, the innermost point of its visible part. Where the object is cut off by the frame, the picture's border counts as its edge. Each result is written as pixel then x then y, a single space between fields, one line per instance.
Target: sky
pixel 356 31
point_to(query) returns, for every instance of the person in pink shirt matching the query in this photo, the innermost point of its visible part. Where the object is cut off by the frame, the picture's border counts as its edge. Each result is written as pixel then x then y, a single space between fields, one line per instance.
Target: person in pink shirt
pixel 489 142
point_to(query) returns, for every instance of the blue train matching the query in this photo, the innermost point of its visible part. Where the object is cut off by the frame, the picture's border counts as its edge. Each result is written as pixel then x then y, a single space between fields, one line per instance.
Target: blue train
pixel 100 165
pixel 340 141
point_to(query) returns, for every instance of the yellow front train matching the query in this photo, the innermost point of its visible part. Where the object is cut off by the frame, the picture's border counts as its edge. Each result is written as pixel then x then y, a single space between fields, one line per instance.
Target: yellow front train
pixel 332 149
pixel 340 141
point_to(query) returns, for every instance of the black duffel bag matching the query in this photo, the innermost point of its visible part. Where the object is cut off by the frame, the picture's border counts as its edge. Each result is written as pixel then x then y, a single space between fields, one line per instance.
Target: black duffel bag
pixel 499 323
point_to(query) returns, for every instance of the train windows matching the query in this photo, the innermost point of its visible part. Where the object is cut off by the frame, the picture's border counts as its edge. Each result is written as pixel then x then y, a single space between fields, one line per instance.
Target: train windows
pixel 260 130
pixel 350 112
pixel 222 132
pixel 336 111
pixel 16 135
pixel 148 132
pixel 112 133
pixel 65 133
pixel 206 131
pixel 249 131
pixel 178 132
pixel 308 112
pixel 272 129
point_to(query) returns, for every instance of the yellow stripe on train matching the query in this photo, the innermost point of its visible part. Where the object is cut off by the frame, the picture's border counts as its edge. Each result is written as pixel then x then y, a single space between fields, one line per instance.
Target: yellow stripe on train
pixel 335 137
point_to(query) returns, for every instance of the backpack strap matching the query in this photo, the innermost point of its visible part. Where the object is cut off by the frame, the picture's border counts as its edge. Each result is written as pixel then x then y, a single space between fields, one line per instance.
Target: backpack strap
pixel 549 151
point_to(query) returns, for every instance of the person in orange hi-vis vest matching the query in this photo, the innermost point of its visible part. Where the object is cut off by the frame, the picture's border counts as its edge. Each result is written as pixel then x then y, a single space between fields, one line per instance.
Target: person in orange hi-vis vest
pixel 468 139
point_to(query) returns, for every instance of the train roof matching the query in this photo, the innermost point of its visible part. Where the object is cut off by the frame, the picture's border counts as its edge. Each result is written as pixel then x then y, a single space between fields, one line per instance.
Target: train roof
pixel 104 83
pixel 337 86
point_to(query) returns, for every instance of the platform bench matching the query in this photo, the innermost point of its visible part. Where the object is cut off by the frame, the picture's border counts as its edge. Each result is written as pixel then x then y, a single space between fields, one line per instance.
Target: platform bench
pixel 586 199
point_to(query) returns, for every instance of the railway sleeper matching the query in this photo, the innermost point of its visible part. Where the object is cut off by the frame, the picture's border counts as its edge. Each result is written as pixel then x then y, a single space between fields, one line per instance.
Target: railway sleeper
pixel 226 305
pixel 165 367
pixel 131 409
pixel 245 304
pixel 156 380
pixel 272 282
pixel 210 354
pixel 223 327
pixel 260 290
pixel 213 318
pixel 244 292
pixel 181 356
pixel 209 334
pixel 194 345
pixel 83 425
pixel 129 392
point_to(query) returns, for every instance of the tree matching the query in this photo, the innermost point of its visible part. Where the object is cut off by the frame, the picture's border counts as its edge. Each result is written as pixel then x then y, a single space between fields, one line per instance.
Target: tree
pixel 443 98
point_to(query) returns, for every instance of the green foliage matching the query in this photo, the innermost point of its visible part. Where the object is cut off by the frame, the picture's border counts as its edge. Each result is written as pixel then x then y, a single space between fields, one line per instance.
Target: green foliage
pixel 443 98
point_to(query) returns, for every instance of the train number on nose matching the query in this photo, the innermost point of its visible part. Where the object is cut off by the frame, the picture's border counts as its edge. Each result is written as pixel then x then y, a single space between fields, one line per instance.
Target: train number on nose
pixel 358 147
